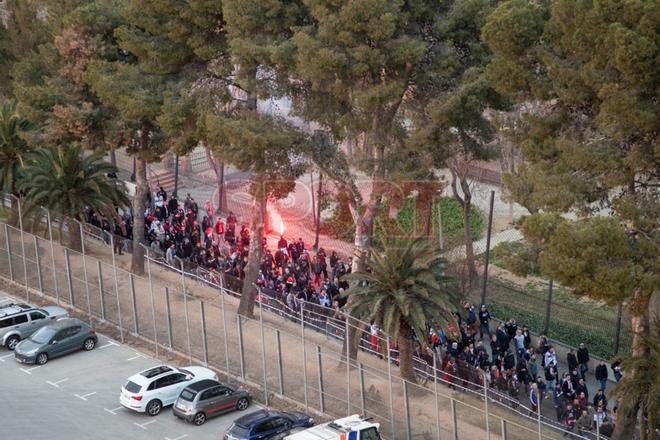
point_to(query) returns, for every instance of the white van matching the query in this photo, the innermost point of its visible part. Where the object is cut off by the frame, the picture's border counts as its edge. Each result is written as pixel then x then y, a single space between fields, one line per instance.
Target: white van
pixel 349 428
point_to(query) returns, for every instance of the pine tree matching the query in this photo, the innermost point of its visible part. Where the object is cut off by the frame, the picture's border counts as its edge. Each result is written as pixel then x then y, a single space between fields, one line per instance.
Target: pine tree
pixel 593 147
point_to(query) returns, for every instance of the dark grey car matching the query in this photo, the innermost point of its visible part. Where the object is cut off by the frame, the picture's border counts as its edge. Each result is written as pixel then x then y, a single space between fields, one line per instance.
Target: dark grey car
pixel 57 339
pixel 208 398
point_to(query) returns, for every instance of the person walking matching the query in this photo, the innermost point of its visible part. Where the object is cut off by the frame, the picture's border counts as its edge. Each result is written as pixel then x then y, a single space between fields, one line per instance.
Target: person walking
pixel 484 321
pixel 583 360
pixel 601 374
pixel 534 399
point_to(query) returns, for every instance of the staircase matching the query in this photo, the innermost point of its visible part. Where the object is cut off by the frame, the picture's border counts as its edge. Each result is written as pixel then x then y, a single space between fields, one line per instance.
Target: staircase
pixel 160 177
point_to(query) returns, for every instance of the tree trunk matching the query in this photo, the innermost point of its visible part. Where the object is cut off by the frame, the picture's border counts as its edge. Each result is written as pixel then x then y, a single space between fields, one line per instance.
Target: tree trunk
pixel 311 190
pixel 469 246
pixel 113 157
pixel 639 306
pixel 405 353
pixel 318 210
pixel 220 176
pixel 141 190
pixel 249 291
pixel 354 335
pixel 74 235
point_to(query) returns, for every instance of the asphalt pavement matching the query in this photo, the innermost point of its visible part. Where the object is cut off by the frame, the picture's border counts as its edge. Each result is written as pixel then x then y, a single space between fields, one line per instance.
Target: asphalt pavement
pixel 77 397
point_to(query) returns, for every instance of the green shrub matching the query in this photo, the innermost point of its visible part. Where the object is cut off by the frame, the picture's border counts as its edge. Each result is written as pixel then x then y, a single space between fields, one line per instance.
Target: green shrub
pixel 408 219
pixel 516 257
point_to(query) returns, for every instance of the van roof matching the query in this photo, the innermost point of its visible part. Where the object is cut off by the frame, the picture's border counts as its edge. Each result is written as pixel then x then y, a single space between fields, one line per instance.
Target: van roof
pixel 12 309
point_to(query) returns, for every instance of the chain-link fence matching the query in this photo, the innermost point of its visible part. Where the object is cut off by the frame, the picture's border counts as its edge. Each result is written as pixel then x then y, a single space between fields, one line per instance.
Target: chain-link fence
pixel 297 353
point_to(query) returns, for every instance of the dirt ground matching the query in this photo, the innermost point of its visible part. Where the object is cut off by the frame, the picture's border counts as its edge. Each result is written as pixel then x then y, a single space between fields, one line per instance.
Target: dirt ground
pixel 305 356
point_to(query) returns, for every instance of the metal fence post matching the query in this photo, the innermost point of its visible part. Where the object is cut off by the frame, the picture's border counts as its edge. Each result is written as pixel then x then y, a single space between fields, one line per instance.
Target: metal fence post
pixel 389 380
pixel 280 375
pixel 454 422
pixel 169 317
pixel 548 308
pixel 503 429
pixel 52 255
pixel 99 271
pixel 435 392
pixel 20 224
pixel 263 347
pixel 362 394
pixel 239 325
pixel 114 270
pixel 406 408
pixel 486 405
pixel 224 326
pixel 204 340
pixel 84 258
pixel 348 368
pixel 69 278
pixel 151 295
pixel 40 277
pixel 8 243
pixel 538 412
pixel 304 353
pixel 617 336
pixel 320 372
pixel 487 260
pixel 131 283
pixel 185 314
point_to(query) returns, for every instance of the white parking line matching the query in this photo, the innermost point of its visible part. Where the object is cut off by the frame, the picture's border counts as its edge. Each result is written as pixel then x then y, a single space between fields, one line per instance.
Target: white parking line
pixel 2 358
pixel 28 371
pixel 144 424
pixel 177 438
pixel 109 344
pixel 114 410
pixel 84 396
pixel 56 384
pixel 137 355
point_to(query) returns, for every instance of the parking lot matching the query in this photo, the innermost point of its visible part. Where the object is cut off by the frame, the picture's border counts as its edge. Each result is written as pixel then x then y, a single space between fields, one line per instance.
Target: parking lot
pixel 77 396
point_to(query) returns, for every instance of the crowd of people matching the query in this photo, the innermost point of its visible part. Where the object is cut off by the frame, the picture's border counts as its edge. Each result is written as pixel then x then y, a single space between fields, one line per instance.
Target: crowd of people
pixel 517 371
pixel 469 353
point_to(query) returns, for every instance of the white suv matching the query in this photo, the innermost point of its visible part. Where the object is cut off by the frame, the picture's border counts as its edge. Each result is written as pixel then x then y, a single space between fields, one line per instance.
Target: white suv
pixel 150 390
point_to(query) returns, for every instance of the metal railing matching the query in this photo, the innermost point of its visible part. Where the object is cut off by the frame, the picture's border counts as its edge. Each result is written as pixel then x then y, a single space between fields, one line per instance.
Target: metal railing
pixel 162 312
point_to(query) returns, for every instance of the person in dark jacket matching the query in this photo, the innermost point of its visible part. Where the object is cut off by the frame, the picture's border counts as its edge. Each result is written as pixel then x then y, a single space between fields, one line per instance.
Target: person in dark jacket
pixel 571 360
pixel 583 360
pixel 601 374
pixel 484 321
pixel 509 360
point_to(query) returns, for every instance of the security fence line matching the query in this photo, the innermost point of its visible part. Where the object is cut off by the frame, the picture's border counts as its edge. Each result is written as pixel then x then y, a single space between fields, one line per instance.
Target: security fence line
pixel 108 294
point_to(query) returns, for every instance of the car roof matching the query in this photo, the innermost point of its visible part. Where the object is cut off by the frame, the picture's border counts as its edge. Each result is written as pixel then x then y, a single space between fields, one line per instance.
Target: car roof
pixel 256 417
pixel 150 374
pixel 13 308
pixel 65 322
pixel 202 385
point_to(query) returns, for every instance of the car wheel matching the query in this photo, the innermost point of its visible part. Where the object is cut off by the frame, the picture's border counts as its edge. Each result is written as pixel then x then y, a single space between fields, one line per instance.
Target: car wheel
pixel 242 404
pixel 42 358
pixel 199 418
pixel 154 407
pixel 12 342
pixel 89 344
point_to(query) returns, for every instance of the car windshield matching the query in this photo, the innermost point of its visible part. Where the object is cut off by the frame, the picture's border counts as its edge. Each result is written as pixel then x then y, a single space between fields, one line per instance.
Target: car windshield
pixel 132 387
pixel 239 431
pixel 188 395
pixel 186 372
pixel 43 335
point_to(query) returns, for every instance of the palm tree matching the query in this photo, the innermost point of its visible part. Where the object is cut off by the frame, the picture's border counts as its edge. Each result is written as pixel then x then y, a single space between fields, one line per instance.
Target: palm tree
pixel 641 390
pixel 13 146
pixel 404 291
pixel 65 181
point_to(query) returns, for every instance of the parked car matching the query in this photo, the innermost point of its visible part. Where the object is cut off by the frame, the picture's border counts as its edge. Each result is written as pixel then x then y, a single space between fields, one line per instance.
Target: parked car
pixel 62 337
pixel 264 424
pixel 18 321
pixel 150 390
pixel 209 398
